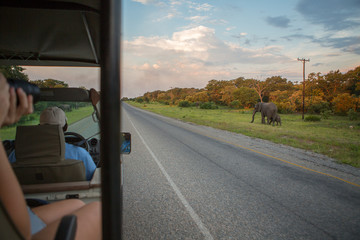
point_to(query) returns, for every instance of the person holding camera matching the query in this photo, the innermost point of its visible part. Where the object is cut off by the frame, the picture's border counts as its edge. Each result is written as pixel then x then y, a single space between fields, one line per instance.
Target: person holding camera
pixel 39 222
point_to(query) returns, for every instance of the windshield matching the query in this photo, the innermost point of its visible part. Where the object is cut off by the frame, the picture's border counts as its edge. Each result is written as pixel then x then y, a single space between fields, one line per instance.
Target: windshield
pixel 78 114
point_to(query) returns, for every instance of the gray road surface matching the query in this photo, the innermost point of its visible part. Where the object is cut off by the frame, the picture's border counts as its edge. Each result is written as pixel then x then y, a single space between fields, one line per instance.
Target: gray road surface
pixel 86 127
pixel 184 181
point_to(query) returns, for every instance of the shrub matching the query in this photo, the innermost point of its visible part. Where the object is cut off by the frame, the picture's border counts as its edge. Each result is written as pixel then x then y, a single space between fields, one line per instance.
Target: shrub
pixel 312 119
pixel 284 107
pixel 184 104
pixel 235 104
pixel 343 103
pixel 164 102
pixel 352 115
pixel 139 100
pixel 27 118
pixel 285 110
pixel 326 114
pixel 208 105
pixel 319 107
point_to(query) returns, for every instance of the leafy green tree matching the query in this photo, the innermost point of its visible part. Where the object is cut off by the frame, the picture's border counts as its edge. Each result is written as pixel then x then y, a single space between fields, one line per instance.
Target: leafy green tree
pixel 260 87
pixel 344 102
pixel 215 89
pixel 247 97
pixel 352 81
pixel 331 84
pixel 227 94
pixel 14 72
pixel 278 83
pixel 199 97
pixel 50 83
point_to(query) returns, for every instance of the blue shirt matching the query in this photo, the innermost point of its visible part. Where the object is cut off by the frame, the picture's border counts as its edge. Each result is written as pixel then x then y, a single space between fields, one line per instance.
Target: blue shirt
pixel 73 152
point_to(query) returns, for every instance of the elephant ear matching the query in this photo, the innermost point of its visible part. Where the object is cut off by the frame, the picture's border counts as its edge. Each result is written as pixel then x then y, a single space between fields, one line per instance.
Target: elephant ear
pixel 260 105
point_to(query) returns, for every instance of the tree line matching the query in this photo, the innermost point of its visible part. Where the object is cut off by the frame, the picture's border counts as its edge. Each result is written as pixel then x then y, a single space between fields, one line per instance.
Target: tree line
pixel 335 91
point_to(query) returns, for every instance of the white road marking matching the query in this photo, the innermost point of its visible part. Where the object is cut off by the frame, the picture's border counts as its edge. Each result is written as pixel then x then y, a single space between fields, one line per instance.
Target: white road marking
pixel 183 200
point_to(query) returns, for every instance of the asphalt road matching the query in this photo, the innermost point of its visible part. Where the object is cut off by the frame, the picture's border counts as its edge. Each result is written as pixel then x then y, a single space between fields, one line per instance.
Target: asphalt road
pixel 184 181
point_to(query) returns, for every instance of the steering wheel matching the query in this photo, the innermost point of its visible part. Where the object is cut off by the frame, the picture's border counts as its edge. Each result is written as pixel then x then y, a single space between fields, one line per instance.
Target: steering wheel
pixel 76 139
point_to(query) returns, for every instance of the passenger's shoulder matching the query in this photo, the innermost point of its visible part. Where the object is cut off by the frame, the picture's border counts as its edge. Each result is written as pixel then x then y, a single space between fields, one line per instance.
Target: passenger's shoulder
pixel 72 147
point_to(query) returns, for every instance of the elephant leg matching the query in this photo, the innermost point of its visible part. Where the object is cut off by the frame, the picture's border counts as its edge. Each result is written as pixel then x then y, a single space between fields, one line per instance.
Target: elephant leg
pixel 267 119
pixel 262 118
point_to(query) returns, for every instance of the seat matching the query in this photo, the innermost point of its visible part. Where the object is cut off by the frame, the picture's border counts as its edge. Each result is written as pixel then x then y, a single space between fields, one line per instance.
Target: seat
pixel 40 156
pixel 66 230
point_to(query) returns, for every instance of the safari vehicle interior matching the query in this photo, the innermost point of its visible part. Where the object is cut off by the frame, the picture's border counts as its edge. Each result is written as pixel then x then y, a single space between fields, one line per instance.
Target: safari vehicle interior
pixel 41 167
pixel 38 33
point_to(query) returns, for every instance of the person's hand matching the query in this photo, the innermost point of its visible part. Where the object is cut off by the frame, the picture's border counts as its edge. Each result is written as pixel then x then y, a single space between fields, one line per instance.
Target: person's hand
pixel 17 111
pixel 10 112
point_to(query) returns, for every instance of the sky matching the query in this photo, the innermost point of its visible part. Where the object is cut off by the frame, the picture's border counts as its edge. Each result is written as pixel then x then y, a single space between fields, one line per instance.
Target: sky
pixel 186 43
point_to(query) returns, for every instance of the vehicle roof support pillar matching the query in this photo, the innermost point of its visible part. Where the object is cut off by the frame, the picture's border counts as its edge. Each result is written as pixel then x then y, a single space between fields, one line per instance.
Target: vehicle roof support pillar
pixel 110 119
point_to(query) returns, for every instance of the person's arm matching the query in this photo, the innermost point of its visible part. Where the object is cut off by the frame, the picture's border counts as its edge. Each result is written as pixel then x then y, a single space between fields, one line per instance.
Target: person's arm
pixel 88 162
pixel 79 153
pixel 11 194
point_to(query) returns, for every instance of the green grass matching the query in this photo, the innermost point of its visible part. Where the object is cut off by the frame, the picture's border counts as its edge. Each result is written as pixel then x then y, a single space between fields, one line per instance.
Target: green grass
pixel 336 137
pixel 73 116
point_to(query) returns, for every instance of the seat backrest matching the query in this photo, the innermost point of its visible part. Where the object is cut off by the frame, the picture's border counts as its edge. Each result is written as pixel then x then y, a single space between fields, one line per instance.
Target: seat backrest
pixel 40 156
pixel 39 144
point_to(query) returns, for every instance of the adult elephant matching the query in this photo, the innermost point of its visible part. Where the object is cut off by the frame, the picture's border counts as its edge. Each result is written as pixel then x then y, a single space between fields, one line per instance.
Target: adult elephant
pixel 268 110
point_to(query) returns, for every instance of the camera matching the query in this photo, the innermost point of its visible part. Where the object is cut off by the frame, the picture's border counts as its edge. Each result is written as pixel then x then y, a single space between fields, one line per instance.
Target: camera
pixel 29 88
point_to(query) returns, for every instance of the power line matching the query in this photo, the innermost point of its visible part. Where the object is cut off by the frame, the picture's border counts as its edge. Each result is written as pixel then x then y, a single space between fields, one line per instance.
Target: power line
pixel 303 102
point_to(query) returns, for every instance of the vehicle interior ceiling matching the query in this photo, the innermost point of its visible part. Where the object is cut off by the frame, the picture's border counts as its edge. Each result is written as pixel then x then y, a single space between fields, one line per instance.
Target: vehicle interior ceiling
pixel 37 33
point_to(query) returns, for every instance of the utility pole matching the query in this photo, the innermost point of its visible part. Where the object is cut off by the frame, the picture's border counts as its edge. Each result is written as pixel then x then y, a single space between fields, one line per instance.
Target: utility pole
pixel 303 100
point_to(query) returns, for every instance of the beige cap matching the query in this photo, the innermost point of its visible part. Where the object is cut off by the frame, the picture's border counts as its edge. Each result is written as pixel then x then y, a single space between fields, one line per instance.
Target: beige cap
pixel 53 116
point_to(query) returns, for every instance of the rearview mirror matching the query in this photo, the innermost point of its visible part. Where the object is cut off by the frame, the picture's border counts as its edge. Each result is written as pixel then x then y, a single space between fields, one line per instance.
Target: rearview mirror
pixel 125 141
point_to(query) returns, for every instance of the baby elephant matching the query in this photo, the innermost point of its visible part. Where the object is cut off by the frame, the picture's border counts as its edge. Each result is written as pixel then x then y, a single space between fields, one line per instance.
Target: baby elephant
pixel 277 119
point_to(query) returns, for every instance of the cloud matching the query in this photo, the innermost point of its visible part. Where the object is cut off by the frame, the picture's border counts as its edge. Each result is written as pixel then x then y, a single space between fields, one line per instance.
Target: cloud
pixel 174 2
pixel 297 36
pixel 281 21
pixel 332 14
pixel 348 44
pixel 240 35
pixel 197 19
pixel 144 1
pixel 189 58
pixel 200 44
pixel 317 64
pixel 167 17
pixel 204 7
pixel 230 28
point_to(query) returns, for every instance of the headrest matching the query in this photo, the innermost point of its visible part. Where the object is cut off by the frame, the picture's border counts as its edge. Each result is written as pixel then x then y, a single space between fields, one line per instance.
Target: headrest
pixel 39 144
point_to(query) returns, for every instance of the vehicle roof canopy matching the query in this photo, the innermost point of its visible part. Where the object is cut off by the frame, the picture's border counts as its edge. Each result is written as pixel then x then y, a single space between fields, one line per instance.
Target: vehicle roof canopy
pixel 50 32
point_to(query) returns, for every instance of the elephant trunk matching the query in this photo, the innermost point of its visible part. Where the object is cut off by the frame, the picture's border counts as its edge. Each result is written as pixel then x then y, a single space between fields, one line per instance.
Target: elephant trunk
pixel 253 116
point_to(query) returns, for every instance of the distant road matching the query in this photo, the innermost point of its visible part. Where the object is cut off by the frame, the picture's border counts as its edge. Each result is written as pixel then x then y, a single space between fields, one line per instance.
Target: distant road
pixel 184 181
pixel 86 127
